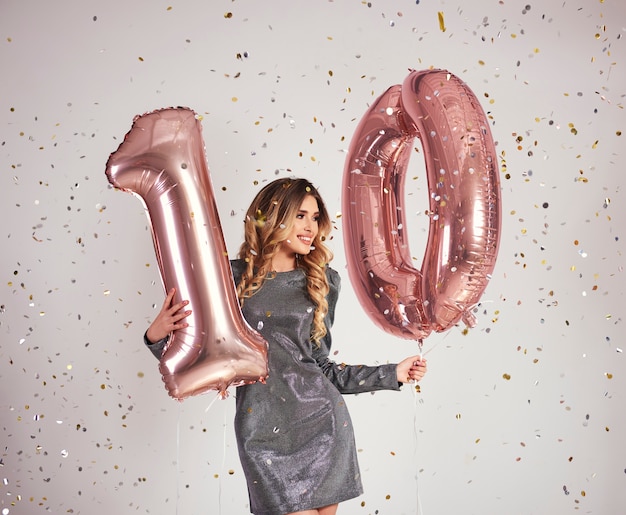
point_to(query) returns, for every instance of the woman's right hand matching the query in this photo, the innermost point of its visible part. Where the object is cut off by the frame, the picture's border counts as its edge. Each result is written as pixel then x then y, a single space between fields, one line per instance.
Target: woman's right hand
pixel 170 318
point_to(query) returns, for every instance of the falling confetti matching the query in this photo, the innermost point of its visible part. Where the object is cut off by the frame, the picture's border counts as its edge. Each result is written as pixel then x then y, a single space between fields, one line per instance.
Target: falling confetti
pixel 442 25
pixel 67 424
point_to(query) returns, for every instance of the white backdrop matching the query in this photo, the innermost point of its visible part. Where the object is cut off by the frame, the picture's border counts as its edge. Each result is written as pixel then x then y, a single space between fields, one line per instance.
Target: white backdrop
pixel 523 414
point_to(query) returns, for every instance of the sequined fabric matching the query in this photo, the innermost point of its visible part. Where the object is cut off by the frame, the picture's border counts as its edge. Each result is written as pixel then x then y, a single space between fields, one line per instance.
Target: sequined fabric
pixel 294 433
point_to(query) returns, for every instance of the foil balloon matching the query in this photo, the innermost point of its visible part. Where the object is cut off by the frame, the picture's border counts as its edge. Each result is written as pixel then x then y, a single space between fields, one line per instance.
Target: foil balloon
pixel 162 161
pixel 464 206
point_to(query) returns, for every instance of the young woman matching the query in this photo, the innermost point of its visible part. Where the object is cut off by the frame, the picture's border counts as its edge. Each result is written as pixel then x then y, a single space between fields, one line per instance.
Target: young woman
pixel 294 433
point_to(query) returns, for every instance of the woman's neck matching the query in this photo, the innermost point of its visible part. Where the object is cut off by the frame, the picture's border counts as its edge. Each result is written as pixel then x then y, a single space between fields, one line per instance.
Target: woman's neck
pixel 283 264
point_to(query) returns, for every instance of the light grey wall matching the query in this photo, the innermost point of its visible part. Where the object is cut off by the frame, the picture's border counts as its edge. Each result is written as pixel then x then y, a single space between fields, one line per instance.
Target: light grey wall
pixel 86 425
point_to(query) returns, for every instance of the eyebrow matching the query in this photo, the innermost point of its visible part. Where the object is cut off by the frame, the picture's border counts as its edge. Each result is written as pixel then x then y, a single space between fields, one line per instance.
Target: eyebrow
pixel 306 212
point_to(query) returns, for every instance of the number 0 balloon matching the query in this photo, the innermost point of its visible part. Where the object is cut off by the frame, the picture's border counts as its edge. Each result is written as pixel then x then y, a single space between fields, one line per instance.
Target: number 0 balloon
pixel 464 206
pixel 162 161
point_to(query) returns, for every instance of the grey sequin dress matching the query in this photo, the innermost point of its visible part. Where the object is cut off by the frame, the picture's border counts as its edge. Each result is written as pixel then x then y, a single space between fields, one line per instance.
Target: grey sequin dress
pixel 294 433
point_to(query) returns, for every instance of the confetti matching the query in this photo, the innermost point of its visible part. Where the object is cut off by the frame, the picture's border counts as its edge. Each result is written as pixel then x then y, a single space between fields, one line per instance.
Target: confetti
pixel 559 157
pixel 442 25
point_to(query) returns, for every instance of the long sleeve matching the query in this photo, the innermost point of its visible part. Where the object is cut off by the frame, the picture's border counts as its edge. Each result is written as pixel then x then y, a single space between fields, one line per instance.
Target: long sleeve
pixel 157 347
pixel 350 378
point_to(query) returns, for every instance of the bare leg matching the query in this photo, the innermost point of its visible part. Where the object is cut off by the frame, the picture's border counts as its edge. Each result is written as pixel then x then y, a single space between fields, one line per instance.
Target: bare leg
pixel 326 510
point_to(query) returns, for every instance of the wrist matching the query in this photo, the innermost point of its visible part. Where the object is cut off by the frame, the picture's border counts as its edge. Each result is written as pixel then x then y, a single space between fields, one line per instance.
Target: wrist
pixel 152 338
pixel 156 342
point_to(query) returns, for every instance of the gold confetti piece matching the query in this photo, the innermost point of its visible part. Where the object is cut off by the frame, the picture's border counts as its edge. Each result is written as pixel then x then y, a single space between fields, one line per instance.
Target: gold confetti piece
pixel 140 58
pixel 228 15
pixel 442 25
pixel 608 375
pixel 506 376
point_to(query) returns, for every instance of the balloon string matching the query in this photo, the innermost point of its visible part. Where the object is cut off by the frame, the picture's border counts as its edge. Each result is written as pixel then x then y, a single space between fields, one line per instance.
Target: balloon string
pixel 415 447
pixel 178 458
pixel 219 487
pixel 212 402
pixel 420 344
pixel 223 462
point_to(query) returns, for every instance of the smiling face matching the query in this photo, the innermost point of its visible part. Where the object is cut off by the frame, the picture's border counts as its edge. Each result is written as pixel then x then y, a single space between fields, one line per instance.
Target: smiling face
pixel 303 232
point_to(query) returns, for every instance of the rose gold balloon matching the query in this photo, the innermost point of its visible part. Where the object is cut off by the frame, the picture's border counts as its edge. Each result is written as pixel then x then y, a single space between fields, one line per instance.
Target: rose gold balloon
pixel 162 161
pixel 387 286
pixel 464 206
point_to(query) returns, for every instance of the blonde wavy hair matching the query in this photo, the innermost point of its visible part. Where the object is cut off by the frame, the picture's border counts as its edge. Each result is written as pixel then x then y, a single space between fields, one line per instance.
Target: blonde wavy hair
pixel 268 222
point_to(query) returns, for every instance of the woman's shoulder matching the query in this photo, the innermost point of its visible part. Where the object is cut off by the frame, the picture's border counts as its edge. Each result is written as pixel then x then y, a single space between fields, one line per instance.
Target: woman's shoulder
pixel 237 266
pixel 237 263
pixel 334 279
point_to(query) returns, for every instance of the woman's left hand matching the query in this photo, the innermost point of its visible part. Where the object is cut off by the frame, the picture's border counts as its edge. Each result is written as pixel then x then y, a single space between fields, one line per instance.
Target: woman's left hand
pixel 411 369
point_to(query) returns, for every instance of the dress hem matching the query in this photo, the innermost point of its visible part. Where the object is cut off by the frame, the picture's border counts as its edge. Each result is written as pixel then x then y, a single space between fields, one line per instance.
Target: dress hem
pixel 309 506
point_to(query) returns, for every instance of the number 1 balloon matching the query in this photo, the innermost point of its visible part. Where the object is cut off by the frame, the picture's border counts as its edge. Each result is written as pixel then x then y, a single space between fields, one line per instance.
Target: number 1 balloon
pixel 464 206
pixel 162 161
